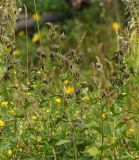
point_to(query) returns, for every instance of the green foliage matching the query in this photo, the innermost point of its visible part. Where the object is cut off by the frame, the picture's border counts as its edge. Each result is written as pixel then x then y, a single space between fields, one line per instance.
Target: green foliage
pixel 44 5
pixel 49 109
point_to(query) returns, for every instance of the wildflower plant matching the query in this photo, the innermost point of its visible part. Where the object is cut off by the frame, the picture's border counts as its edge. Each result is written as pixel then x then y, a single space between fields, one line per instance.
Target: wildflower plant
pixel 49 110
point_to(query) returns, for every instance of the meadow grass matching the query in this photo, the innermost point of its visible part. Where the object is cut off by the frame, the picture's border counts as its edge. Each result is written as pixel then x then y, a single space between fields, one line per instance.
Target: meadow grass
pixel 48 108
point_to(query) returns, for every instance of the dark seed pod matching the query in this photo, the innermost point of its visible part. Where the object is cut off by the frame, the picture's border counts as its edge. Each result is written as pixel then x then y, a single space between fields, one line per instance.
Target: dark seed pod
pixel 115 57
pixel 44 91
pixel 84 84
pixel 65 102
pixel 77 92
pixel 114 74
pixel 45 81
pixel 119 82
pixel 10 67
pixel 126 75
pixel 77 76
pixel 52 56
pixel 43 55
pixel 6 76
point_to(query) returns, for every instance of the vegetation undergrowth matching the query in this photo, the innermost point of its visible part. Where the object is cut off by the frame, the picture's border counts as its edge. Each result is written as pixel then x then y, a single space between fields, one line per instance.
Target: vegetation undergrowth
pixel 48 109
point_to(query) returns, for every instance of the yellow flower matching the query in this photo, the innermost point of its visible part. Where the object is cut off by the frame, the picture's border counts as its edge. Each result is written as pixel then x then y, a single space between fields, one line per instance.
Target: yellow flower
pixel 4 103
pixel 2 123
pixel 9 152
pixel 21 33
pixel 115 26
pixel 131 130
pixel 36 16
pixel 17 52
pixel 36 37
pixel 58 100
pixel 66 82
pixel 34 118
pixel 69 89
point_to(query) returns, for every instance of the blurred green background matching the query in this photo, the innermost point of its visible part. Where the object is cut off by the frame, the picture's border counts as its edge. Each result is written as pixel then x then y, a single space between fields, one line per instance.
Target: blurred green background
pixel 100 21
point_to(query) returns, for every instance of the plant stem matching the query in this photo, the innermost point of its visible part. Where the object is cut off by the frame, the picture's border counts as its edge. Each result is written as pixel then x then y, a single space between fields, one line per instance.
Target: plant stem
pixel 102 139
pixel 73 139
pixel 54 154
pixel 74 145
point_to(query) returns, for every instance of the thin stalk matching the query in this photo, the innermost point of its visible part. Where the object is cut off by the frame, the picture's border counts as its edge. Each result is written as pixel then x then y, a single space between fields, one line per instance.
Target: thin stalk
pixel 75 157
pixel 102 139
pixel 38 27
pixel 74 144
pixel 26 15
pixel 55 158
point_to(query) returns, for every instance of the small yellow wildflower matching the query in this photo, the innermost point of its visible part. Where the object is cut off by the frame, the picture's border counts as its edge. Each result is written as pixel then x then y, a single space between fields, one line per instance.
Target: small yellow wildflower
pixel 2 123
pixel 36 16
pixel 131 130
pixel 69 89
pixel 66 82
pixel 36 37
pixel 85 98
pixel 58 100
pixel 17 52
pixel 4 103
pixel 34 118
pixel 115 26
pixel 21 33
pixel 9 152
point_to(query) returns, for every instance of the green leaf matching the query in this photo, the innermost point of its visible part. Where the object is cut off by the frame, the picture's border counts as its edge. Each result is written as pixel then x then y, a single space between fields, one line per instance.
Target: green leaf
pixel 93 151
pixel 82 146
pixel 120 124
pixel 61 142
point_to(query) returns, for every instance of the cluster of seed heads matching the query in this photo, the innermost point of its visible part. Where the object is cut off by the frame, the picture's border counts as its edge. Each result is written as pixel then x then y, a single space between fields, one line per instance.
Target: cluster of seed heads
pixel 120 73
pixel 67 60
